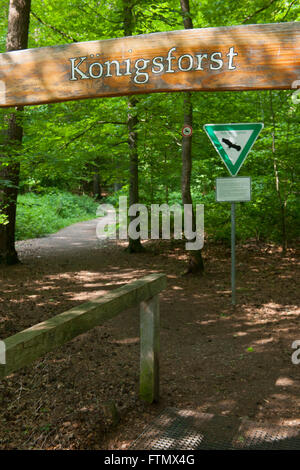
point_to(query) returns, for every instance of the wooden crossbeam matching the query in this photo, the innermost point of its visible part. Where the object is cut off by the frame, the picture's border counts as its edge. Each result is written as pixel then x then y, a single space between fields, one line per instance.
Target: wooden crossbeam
pixel 249 57
pixel 24 347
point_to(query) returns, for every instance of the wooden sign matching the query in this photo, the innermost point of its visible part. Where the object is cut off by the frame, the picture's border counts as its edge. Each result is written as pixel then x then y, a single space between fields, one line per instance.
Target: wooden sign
pixel 250 57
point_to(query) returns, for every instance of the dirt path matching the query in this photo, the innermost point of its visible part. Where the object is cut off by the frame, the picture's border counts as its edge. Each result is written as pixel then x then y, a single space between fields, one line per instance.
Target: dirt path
pixel 79 237
pixel 214 358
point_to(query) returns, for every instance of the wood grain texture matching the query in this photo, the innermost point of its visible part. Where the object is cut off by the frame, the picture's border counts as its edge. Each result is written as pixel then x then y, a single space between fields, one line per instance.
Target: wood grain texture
pixel 149 349
pixel 28 345
pixel 263 56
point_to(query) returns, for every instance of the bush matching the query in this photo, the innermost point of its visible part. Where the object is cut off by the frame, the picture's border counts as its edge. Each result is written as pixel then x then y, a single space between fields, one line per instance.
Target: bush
pixel 41 214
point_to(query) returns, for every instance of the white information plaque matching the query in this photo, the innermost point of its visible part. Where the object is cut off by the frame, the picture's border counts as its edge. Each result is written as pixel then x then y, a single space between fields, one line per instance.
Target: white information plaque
pixel 233 189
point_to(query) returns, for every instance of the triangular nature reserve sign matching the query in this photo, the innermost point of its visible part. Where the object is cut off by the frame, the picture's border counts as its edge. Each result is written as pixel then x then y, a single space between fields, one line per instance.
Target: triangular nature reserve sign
pixel 233 142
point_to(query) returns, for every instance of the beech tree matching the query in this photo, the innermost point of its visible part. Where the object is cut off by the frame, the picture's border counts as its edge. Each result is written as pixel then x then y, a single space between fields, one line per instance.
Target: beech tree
pixel 17 38
pixel 134 246
pixel 195 264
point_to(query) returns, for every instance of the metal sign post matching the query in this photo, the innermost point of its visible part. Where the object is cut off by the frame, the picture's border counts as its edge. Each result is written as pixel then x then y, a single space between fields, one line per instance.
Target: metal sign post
pixel 233 142
pixel 237 189
pixel 233 297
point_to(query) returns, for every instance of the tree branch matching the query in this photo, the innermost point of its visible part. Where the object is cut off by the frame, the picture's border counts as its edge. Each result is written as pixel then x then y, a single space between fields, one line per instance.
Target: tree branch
pixel 258 11
pixel 288 10
pixel 97 13
pixel 64 35
pixel 119 143
pixel 77 136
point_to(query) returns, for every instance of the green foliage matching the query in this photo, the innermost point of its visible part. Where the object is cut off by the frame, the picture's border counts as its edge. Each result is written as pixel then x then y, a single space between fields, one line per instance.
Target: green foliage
pixel 41 214
pixel 3 219
pixel 3 23
pixel 113 198
pixel 65 144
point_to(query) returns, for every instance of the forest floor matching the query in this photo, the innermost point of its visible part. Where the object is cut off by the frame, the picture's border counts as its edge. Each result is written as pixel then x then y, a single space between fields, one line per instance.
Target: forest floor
pixel 214 358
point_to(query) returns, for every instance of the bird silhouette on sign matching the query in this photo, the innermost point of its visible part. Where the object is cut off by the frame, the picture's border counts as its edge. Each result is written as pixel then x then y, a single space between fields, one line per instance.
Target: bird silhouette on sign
pixel 231 145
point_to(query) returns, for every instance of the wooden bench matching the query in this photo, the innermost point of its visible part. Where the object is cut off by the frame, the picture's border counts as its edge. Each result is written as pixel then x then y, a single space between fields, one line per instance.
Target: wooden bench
pixel 24 347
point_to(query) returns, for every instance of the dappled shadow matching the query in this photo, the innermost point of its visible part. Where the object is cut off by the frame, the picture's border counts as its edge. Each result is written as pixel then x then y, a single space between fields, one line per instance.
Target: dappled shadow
pixel 214 358
pixel 176 429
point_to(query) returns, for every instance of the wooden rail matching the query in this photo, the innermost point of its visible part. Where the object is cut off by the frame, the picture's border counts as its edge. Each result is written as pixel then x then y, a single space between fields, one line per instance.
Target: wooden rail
pixel 247 57
pixel 28 345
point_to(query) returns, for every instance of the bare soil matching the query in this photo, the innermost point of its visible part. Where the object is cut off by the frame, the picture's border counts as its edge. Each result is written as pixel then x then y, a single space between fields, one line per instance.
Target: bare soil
pixel 214 358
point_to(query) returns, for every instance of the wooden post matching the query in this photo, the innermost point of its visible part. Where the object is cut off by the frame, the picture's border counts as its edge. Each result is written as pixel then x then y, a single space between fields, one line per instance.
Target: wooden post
pixel 2 352
pixel 24 347
pixel 149 355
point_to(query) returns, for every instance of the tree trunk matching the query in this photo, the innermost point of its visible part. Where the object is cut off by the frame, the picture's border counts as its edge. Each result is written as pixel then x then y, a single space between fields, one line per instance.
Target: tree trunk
pixel 282 200
pixel 195 263
pixel 134 246
pixel 186 152
pixel 17 38
pixel 97 193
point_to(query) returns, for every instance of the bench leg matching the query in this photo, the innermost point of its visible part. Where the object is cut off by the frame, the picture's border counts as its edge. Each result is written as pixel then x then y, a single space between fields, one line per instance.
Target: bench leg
pixel 149 352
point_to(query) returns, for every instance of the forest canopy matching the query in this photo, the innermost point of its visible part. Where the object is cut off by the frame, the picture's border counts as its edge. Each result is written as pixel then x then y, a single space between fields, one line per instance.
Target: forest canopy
pixel 81 147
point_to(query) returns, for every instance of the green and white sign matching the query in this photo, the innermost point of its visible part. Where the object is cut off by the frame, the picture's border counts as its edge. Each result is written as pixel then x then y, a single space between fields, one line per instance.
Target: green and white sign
pixel 233 142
